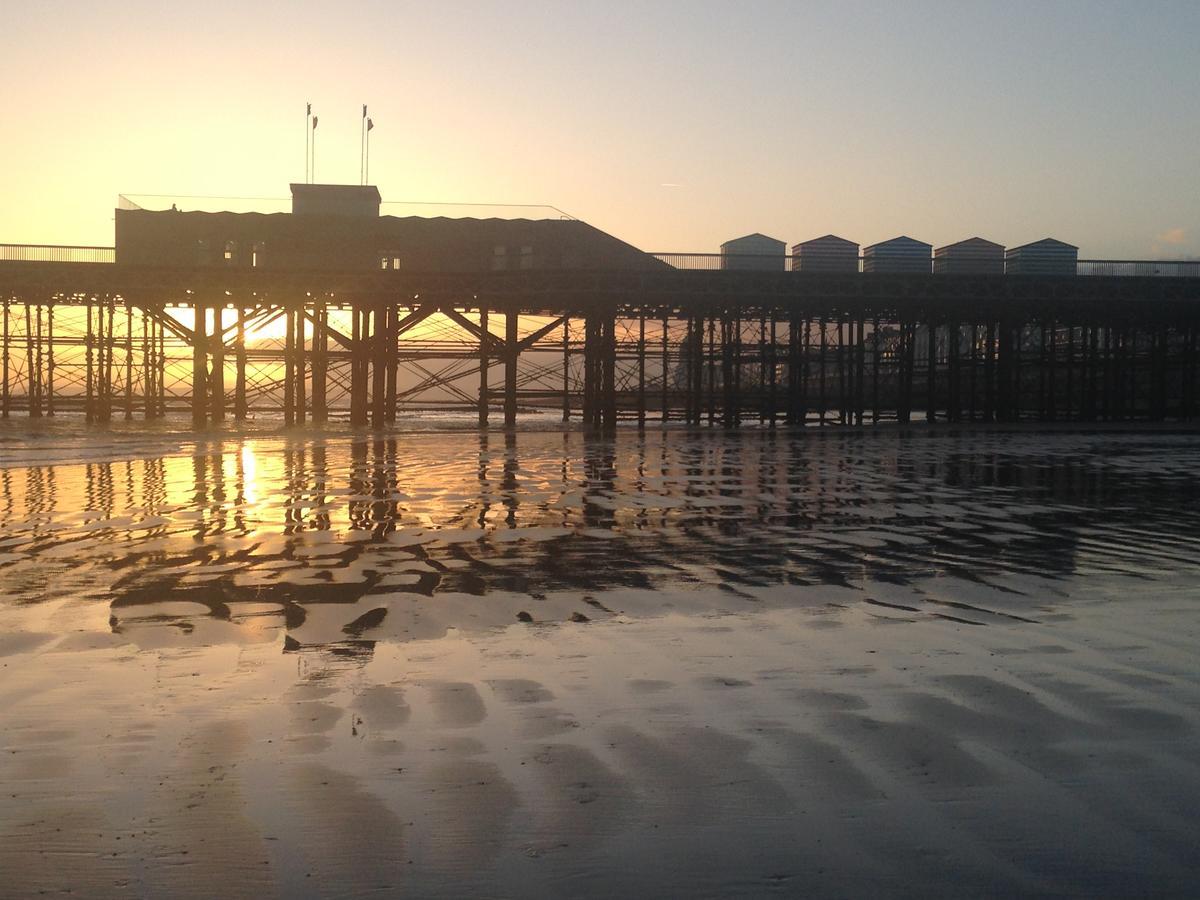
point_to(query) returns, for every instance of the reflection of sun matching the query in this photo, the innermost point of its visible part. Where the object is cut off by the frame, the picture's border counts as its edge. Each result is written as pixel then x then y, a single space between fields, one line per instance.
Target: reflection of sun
pixel 249 474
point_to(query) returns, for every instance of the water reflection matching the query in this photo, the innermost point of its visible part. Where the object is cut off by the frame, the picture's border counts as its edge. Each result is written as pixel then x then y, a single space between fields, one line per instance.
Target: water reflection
pixel 340 543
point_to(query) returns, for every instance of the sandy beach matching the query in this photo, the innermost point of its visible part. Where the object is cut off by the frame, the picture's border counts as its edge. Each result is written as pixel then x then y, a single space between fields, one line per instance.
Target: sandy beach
pixel 453 665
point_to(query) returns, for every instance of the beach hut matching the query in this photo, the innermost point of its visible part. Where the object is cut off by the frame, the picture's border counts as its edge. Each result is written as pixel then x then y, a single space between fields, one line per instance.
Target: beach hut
pixel 901 254
pixel 1044 257
pixel 974 256
pixel 754 252
pixel 825 254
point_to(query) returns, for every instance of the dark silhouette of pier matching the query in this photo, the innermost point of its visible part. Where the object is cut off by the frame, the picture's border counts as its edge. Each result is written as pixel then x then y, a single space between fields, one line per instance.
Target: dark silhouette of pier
pixel 661 343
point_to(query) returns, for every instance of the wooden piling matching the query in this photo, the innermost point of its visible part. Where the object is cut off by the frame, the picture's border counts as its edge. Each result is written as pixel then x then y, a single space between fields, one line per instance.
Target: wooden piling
pixel 128 363
pixel 511 351
pixel 320 363
pixel 566 369
pixel 51 363
pixel 485 358
pixel 641 363
pixel 199 366
pixel 217 382
pixel 665 414
pixel 239 363
pixel 289 366
pixel 5 395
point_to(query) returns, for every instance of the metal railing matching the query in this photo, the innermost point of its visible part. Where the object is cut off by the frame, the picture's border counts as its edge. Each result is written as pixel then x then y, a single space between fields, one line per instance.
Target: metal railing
pixel 1163 268
pixel 398 208
pixel 752 262
pixel 56 253
pixel 710 262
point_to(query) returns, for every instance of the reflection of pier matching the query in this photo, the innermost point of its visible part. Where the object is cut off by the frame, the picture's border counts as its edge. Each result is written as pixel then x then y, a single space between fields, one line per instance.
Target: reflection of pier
pixel 654 343
pixel 342 542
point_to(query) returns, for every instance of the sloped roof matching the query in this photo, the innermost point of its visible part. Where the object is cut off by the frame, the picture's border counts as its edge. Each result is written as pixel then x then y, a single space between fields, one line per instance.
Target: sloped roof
pixel 902 241
pixel 828 239
pixel 756 234
pixel 1047 243
pixel 972 242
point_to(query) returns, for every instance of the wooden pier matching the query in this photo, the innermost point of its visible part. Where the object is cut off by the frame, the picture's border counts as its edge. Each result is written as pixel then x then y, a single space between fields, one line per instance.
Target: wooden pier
pixel 720 348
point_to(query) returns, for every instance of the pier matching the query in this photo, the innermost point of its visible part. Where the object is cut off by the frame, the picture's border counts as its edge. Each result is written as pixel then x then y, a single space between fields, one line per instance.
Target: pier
pixel 676 343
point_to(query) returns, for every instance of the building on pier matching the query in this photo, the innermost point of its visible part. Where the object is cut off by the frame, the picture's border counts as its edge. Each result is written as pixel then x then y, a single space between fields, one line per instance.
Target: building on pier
pixel 974 256
pixel 900 254
pixel 1044 257
pixel 339 228
pixel 826 254
pixel 754 253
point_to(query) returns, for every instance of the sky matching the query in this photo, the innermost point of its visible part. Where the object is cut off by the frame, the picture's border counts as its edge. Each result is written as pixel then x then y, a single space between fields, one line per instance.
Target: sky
pixel 675 126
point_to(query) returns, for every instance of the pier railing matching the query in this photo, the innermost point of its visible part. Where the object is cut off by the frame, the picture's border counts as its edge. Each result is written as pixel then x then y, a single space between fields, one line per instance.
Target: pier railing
pixel 749 262
pixel 711 262
pixel 56 253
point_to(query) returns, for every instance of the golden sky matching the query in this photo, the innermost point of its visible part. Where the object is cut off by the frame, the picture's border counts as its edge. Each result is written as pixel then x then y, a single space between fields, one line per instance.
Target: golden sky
pixel 672 125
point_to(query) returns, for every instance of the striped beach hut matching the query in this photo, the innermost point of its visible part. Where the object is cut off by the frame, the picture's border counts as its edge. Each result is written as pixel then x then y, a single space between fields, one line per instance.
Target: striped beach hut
pixel 1044 257
pixel 825 254
pixel 755 252
pixel 974 256
pixel 900 254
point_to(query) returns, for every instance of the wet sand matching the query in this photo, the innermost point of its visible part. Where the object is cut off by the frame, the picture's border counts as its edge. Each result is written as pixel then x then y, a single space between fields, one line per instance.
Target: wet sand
pixel 754 665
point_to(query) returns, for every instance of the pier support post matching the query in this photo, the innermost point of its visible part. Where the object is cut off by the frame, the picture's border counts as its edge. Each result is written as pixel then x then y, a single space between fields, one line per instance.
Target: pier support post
pixel 128 361
pixel 199 366
pixel 301 367
pixel 147 370
pixel 931 372
pixel 5 398
pixel 289 367
pixel 320 363
pixel 239 382
pixel 359 342
pixel 51 365
pixel 110 345
pixel 392 355
pixel 641 359
pixel 218 364
pixel 666 370
pixel 485 353
pixel 566 369
pixel 379 357
pixel 89 401
pixel 510 367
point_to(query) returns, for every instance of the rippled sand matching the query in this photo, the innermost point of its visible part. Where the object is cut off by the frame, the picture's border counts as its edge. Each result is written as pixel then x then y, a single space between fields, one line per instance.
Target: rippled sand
pixel 539 664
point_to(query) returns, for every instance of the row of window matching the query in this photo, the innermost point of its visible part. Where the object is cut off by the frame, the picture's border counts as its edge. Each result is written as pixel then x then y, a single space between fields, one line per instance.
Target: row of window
pixel 500 258
pixel 230 255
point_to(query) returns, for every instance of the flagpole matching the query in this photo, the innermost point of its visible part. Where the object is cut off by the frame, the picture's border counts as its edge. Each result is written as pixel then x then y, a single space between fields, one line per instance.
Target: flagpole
pixel 307 118
pixel 367 158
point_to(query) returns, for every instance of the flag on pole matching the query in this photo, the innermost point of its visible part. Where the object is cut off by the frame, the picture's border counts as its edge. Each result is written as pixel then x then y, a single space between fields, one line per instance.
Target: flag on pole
pixel 309 110
pixel 364 110
pixel 370 124
pixel 314 123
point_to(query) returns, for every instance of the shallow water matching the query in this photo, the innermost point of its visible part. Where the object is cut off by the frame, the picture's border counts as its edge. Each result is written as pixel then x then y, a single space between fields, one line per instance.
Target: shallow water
pixel 539 662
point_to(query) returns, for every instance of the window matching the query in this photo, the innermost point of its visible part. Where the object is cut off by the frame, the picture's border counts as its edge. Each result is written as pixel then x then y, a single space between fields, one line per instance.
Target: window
pixel 256 250
pixel 230 253
pixel 527 257
pixel 499 258
pixel 389 261
pixel 203 253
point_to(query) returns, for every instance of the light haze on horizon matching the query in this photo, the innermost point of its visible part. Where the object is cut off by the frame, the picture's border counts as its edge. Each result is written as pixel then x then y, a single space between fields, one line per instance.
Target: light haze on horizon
pixel 674 126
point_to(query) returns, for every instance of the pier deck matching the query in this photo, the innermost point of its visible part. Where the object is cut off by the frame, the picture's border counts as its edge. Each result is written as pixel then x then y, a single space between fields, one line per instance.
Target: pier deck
pixel 671 344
